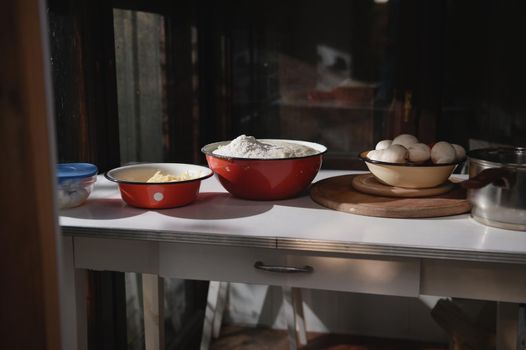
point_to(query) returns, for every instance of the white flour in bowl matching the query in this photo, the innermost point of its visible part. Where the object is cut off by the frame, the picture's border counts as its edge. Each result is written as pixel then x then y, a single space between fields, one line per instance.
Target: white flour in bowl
pixel 248 147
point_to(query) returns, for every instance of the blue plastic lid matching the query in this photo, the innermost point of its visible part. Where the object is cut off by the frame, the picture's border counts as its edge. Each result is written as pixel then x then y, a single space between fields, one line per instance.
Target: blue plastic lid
pixel 67 171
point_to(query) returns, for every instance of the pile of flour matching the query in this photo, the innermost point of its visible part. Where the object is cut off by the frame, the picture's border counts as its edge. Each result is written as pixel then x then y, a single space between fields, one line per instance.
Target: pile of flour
pixel 248 147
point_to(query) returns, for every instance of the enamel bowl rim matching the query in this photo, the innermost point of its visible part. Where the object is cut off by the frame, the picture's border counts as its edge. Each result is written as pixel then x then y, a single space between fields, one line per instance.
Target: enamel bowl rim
pixel 211 147
pixel 108 174
pixel 363 156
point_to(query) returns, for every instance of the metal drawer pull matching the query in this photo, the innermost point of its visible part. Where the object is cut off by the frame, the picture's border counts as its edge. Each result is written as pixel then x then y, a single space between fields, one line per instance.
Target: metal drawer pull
pixel 282 269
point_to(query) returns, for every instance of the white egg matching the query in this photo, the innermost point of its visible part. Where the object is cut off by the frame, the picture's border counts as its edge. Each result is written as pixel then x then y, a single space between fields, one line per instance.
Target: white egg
pixel 394 154
pixel 405 140
pixel 383 144
pixel 460 152
pixel 418 152
pixel 375 155
pixel 443 153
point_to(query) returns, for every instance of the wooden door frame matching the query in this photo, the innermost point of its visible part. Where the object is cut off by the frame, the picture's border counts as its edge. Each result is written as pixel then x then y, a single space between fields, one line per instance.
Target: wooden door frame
pixel 29 258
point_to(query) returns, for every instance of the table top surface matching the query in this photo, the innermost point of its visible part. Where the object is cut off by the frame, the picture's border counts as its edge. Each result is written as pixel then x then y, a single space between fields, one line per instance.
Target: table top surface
pixel 217 218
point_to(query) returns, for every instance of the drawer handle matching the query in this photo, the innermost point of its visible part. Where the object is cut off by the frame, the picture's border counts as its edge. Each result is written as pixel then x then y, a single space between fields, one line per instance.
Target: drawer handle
pixel 283 269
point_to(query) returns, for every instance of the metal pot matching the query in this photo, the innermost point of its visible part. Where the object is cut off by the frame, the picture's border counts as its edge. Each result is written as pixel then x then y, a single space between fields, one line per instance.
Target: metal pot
pixel 497 187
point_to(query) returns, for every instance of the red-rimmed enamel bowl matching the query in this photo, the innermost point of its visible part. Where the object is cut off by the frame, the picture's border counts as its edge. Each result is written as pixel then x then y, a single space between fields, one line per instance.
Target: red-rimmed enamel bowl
pixel 136 192
pixel 265 179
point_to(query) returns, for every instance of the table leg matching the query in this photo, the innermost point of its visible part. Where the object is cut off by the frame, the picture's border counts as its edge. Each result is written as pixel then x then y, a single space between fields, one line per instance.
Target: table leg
pixel 521 339
pixel 73 300
pixel 507 326
pixel 153 305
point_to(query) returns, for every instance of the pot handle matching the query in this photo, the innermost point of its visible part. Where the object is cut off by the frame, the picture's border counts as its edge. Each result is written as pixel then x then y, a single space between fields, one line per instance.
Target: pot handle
pixel 499 177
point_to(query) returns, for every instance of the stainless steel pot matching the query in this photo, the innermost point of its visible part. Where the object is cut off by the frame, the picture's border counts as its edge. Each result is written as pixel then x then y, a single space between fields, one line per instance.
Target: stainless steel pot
pixel 497 187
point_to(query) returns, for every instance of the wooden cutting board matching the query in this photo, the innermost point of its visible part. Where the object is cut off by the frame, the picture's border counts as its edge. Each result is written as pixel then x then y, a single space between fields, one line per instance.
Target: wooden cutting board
pixel 338 193
pixel 367 183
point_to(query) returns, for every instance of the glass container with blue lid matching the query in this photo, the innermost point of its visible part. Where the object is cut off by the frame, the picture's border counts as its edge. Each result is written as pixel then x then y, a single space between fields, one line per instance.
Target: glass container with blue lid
pixel 75 183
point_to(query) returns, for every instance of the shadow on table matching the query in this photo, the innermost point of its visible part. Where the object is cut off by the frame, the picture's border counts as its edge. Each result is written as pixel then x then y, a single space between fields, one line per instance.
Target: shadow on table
pixel 102 209
pixel 106 185
pixel 217 206
pixel 301 201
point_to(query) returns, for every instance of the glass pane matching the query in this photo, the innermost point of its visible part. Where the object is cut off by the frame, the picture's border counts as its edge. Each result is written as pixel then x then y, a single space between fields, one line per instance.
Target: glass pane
pixel 483 94
pixel 139 58
pixel 323 76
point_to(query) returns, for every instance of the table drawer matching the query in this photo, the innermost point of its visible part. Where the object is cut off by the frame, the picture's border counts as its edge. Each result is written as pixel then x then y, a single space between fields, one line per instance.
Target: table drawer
pixel 357 274
pixel 236 264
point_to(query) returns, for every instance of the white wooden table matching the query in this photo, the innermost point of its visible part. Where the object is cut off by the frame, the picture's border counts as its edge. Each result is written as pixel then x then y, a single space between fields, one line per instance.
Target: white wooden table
pixel 220 238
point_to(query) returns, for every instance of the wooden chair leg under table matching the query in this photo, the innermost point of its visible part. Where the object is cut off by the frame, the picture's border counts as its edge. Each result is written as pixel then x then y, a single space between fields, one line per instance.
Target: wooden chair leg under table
pixel 215 305
pixel 153 306
pixel 216 302
pixel 293 303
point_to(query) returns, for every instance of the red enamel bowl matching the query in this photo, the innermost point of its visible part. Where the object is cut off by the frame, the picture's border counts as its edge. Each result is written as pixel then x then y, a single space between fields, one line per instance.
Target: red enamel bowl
pixel 265 179
pixel 136 192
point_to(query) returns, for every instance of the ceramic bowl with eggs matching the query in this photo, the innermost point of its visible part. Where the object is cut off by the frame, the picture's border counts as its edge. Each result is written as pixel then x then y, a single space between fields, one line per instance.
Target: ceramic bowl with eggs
pixel 264 169
pixel 406 162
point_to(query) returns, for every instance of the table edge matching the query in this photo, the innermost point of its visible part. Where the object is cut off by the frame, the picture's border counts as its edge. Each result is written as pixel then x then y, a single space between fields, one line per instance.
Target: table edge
pixel 294 244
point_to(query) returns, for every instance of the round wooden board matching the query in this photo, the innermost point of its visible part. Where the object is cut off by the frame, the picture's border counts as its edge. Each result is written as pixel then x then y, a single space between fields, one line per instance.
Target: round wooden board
pixel 367 183
pixel 337 193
